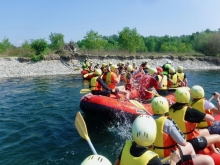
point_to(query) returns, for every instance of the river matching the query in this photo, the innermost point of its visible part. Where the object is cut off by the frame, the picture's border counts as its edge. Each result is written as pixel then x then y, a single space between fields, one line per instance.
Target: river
pixel 37 120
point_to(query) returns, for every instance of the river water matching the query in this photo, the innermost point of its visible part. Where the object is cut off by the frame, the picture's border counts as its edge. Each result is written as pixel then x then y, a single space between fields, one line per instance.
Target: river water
pixel 37 116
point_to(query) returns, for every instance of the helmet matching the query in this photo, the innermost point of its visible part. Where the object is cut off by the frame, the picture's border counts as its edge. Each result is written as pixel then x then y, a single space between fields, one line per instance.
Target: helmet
pixel 133 63
pixel 96 160
pixel 160 105
pixel 113 67
pixel 86 59
pixel 197 92
pixel 152 71
pixel 180 69
pixel 159 69
pixel 182 95
pixel 104 64
pixel 98 72
pixel 144 130
pixel 147 67
pixel 110 63
pixel 130 68
pixel 172 70
pixel 167 66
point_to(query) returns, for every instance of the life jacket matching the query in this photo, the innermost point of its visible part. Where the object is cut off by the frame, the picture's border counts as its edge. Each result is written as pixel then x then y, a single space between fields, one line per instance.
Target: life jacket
pixel 199 105
pixel 188 129
pixel 110 80
pixel 163 142
pixel 175 80
pixel 181 77
pixel 94 84
pixel 128 159
pixel 127 81
pixel 164 87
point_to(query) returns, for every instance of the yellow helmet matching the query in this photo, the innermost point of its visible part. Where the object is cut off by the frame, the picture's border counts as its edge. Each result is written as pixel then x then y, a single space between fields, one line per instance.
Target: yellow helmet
pixel 98 72
pixel 172 70
pixel 113 67
pixel 104 64
pixel 160 105
pixel 182 95
pixel 96 160
pixel 197 92
pixel 180 69
pixel 130 68
pixel 152 71
pixel 144 130
pixel 147 67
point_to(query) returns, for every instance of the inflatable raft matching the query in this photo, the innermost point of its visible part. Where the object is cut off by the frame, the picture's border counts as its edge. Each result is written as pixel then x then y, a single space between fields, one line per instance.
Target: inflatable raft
pixel 114 107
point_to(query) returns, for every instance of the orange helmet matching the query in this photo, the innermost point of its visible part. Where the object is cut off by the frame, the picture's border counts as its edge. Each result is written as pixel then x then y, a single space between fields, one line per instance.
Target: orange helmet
pixel 159 69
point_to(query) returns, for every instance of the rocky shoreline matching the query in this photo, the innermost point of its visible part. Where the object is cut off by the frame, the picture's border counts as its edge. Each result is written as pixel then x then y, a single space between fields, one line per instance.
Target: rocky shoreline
pixel 18 67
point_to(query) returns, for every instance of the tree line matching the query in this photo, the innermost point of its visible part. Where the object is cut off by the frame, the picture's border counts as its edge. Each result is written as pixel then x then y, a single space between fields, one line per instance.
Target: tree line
pixel 128 40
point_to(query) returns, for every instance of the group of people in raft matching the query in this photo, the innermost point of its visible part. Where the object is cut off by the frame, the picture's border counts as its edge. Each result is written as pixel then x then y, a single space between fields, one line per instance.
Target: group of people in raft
pixel 143 79
pixel 186 127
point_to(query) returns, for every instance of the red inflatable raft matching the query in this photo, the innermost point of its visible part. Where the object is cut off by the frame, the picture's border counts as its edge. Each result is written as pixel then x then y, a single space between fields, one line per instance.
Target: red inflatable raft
pixel 113 107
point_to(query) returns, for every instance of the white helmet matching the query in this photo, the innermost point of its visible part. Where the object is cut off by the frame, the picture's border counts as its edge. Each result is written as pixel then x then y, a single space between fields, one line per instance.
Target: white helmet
pixel 130 68
pixel 152 71
pixel 144 130
pixel 96 160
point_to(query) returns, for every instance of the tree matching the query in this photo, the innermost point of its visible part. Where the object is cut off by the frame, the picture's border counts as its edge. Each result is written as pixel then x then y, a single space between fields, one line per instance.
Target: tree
pixel 57 41
pixel 130 40
pixel 4 45
pixel 93 40
pixel 39 45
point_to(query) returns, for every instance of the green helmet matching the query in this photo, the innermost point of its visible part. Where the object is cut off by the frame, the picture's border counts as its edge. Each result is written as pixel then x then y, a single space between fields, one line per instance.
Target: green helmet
pixel 197 92
pixel 98 72
pixel 182 95
pixel 96 160
pixel 152 71
pixel 167 66
pixel 160 105
pixel 144 130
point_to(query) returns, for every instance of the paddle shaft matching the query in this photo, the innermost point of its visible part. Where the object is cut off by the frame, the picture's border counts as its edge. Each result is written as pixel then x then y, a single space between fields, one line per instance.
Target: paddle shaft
pixel 92 147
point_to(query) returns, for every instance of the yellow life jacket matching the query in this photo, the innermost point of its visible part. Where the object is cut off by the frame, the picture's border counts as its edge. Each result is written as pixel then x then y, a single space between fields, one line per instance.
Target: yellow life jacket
pixel 187 128
pixel 164 87
pixel 181 77
pixel 163 142
pixel 94 84
pixel 199 105
pixel 128 159
pixel 175 80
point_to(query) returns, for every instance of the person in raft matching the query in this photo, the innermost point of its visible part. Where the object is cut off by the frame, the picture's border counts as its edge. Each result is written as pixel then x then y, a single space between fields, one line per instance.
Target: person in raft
pixel 200 103
pixel 96 160
pixel 170 137
pixel 137 152
pixel 146 82
pixel 112 79
pixel 166 67
pixel 128 80
pixel 97 85
pixel 182 77
pixel 187 118
pixel 85 64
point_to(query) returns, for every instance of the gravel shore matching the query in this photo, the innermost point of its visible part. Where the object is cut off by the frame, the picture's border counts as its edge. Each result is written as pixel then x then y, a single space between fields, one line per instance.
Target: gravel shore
pixel 11 67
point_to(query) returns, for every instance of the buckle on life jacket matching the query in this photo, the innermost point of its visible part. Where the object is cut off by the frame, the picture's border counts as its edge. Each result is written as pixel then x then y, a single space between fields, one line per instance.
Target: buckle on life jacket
pixel 167 147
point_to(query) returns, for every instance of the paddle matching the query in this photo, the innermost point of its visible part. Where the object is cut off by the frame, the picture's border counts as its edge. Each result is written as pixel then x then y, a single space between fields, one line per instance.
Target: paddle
pixel 83 91
pixel 139 105
pixel 82 130
pixel 155 94
pixel 88 74
pixel 76 68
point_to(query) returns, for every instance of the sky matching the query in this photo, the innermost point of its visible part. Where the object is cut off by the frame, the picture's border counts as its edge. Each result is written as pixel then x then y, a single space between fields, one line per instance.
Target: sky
pixel 24 20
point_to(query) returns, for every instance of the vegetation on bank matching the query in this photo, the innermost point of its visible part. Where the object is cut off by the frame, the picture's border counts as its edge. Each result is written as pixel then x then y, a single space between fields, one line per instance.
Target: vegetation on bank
pixel 126 42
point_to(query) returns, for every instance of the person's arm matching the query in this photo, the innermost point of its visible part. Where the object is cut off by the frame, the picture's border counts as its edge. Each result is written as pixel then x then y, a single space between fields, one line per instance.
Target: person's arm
pixel 195 116
pixel 117 162
pixel 103 84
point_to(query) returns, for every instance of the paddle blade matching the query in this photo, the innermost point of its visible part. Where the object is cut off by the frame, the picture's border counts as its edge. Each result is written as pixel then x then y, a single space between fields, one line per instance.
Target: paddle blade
pixel 81 126
pixel 82 91
pixel 165 159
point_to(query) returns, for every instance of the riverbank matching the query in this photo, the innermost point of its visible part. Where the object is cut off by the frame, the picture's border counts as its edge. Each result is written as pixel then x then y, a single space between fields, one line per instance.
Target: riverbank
pixel 13 67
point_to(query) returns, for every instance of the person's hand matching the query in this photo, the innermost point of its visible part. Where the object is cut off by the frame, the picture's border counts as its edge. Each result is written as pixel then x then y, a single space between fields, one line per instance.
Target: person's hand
pixel 216 96
pixel 174 158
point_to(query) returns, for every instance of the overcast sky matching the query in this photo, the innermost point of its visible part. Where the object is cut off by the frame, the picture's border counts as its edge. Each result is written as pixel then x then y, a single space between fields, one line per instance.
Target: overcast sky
pixel 34 19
